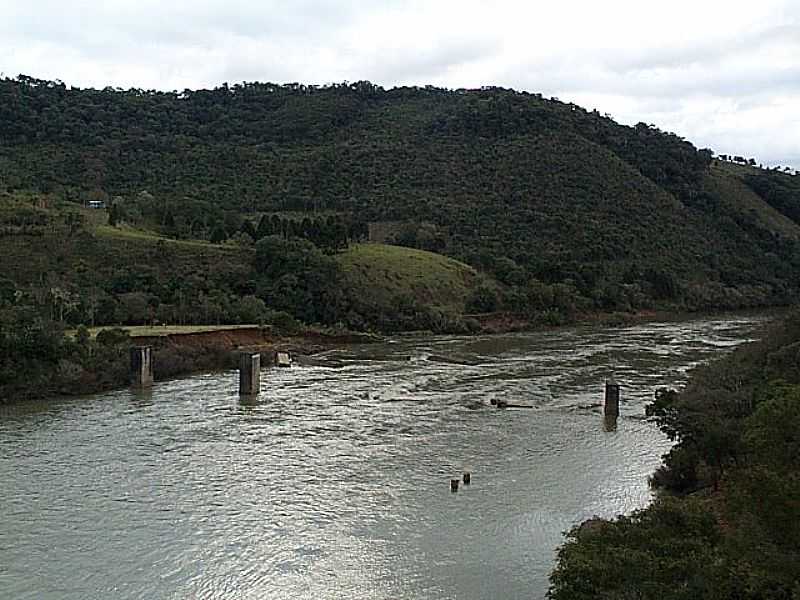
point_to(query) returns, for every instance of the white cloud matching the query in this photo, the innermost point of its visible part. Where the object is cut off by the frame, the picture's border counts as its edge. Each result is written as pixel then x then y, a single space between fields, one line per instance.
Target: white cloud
pixel 722 73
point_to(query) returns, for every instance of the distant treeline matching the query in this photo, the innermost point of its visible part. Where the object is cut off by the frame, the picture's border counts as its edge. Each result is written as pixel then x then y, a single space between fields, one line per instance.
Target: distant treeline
pixel 751 162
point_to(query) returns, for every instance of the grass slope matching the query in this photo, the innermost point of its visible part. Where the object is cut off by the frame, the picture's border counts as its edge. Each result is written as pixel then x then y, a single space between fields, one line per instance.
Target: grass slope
pixel 727 180
pixel 381 274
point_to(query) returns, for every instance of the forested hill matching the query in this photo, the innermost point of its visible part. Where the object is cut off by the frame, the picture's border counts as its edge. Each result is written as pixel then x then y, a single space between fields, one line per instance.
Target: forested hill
pixel 516 185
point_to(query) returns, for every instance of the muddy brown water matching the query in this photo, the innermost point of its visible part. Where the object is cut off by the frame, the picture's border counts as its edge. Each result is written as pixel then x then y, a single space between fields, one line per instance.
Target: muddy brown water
pixel 335 482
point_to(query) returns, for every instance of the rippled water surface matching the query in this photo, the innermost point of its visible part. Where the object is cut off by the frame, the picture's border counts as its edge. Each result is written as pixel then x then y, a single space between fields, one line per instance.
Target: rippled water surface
pixel 335 482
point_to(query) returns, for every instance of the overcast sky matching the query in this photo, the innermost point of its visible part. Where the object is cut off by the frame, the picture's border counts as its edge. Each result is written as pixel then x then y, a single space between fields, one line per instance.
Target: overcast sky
pixel 723 74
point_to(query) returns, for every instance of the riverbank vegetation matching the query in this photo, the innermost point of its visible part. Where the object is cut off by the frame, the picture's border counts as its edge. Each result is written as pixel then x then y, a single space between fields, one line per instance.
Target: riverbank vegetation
pixel 37 360
pixel 726 523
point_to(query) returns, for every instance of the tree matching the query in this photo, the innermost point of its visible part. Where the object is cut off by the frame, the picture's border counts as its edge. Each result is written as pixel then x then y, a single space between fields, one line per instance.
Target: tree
pixel 169 222
pixel 63 302
pixel 483 299
pixel 113 214
pixel 669 551
pixel 295 276
pixel 74 222
pixel 250 309
pixel 265 228
pixel 248 229
pixel 134 308
pixel 218 235
pixel 772 433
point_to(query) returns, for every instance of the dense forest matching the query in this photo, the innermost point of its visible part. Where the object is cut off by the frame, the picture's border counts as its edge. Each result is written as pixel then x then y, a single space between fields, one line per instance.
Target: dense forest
pixel 561 209
pixel 725 523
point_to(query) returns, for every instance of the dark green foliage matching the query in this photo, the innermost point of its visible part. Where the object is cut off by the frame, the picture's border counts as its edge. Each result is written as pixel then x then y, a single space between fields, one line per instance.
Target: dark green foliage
pixel 772 432
pixel 552 304
pixel 284 323
pixel 36 359
pixel 295 276
pixel 112 337
pixel 82 336
pixel 679 473
pixel 329 233
pixel 762 497
pixel 171 362
pixel 266 226
pixel 483 299
pixel 113 215
pixel 218 235
pixel 664 284
pixel 248 229
pixel 666 552
pixel 27 336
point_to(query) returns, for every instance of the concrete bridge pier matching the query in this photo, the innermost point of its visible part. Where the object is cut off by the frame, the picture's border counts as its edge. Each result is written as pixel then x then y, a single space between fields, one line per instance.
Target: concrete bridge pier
pixel 142 366
pixel 249 373
pixel 611 403
pixel 609 423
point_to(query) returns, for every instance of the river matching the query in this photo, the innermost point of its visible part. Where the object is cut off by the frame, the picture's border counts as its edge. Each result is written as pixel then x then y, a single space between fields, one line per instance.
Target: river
pixel 335 482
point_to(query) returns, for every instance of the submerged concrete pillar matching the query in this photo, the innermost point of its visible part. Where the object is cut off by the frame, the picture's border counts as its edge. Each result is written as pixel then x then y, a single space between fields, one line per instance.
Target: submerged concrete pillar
pixel 611 404
pixel 249 373
pixel 142 366
pixel 609 423
pixel 283 359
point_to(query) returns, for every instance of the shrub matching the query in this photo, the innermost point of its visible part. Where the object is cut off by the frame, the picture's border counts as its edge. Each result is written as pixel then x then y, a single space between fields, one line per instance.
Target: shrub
pixel 113 336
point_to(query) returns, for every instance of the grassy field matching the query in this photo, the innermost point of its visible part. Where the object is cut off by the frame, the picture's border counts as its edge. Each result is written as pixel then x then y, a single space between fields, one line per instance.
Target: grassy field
pixel 382 272
pixel 131 234
pixel 163 331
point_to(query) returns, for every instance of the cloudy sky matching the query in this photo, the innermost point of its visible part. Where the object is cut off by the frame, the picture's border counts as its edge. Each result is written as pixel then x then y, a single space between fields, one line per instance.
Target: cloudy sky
pixel 723 73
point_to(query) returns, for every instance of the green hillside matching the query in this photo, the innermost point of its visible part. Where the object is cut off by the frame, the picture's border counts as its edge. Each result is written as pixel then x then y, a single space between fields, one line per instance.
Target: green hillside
pixel 565 208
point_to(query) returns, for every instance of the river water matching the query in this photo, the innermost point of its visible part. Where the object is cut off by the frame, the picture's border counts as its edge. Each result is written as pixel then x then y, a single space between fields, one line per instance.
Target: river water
pixel 335 482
